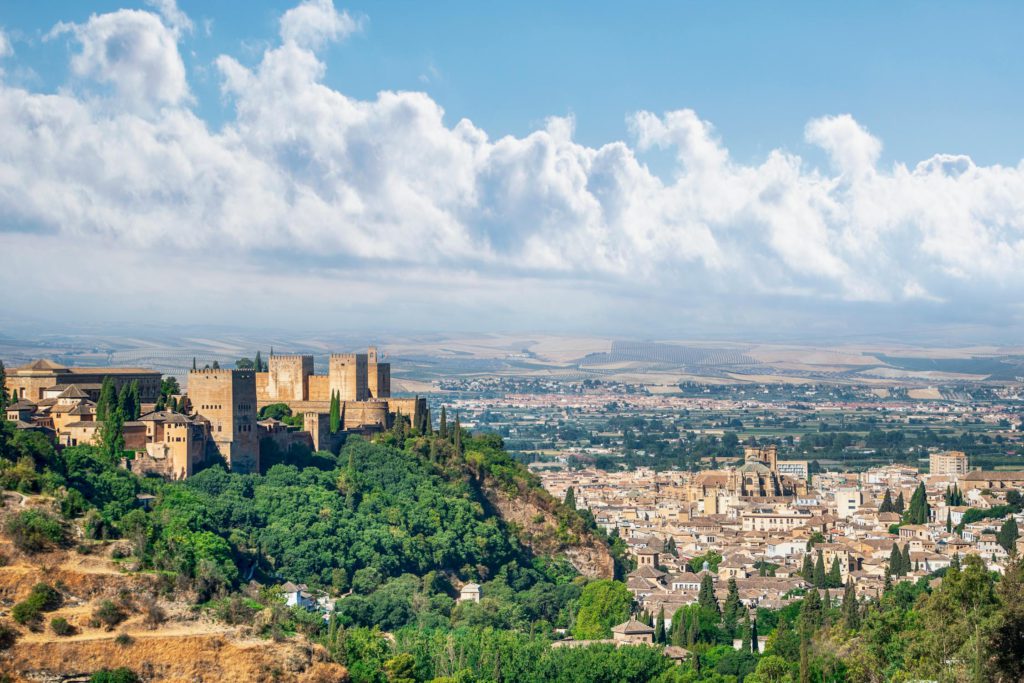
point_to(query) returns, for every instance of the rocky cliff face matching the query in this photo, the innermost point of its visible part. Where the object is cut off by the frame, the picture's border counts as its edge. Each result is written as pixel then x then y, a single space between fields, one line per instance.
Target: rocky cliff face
pixel 533 516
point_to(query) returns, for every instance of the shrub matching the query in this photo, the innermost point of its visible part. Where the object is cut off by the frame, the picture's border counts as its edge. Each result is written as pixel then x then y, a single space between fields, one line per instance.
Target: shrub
pixel 108 614
pixel 154 615
pixel 122 675
pixel 43 598
pixel 25 613
pixel 33 531
pixel 124 639
pixel 61 627
pixel 8 634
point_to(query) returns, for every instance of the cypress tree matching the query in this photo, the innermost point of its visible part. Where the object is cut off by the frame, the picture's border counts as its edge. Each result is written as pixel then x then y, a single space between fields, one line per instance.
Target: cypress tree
pixel 112 436
pixel 732 608
pixel 1008 535
pixel 570 498
pixel 755 647
pixel 193 362
pixel 886 505
pixel 107 400
pixel 442 430
pixel 124 400
pixel 335 418
pixel 851 611
pixel 458 436
pixel 819 571
pixel 678 629
pixel 807 572
pixel 216 365
pixel 745 632
pixel 670 547
pixel 135 401
pixel 955 562
pixel 659 626
pixel 835 574
pixel 706 598
pixel 895 561
pixel 949 521
pixel 918 512
pixel 898 505
pixel 3 391
pixel 810 610
pixel 905 560
pixel 887 584
pixel 259 362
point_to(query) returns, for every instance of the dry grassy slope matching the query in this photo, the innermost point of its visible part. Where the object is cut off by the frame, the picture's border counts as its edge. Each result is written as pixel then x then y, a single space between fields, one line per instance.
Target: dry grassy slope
pixel 185 649
pixel 532 512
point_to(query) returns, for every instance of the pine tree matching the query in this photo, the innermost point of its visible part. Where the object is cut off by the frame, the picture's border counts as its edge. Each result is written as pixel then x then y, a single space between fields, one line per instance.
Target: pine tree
pixel 819 571
pixel 755 646
pixel 905 562
pixel 851 611
pixel 835 574
pixel 898 505
pixel 1008 535
pixel 886 505
pixel 731 609
pixel 807 572
pixel 706 597
pixel 107 400
pixel 895 561
pixel 442 430
pixel 659 626
pixel 570 498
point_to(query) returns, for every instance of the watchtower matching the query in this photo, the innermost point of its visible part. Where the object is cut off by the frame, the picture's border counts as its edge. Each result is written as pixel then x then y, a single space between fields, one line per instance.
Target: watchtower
pixel 227 399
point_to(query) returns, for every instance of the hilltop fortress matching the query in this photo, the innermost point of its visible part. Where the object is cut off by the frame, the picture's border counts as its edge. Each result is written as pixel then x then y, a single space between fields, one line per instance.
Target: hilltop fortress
pixel 360 380
pixel 219 415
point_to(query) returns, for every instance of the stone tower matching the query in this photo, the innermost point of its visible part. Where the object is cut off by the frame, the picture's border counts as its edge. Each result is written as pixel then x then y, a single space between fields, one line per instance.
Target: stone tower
pixel 347 375
pixel 227 399
pixel 288 377
pixel 378 375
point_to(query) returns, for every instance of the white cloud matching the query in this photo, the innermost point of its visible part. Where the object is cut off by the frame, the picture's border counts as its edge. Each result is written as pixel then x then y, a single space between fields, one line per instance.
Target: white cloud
pixel 316 22
pixel 307 184
pixel 132 51
pixel 5 45
pixel 172 14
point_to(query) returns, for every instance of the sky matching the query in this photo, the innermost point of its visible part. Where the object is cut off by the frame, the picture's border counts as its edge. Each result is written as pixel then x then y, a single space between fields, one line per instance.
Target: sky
pixel 797 170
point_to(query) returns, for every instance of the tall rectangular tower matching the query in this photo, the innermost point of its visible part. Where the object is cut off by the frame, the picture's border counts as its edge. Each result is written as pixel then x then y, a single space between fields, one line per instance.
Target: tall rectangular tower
pixel 288 378
pixel 227 399
pixel 378 376
pixel 347 374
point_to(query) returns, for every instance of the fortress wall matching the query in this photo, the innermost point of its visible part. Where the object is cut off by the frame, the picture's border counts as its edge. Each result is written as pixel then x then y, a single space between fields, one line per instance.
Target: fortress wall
pixel 319 388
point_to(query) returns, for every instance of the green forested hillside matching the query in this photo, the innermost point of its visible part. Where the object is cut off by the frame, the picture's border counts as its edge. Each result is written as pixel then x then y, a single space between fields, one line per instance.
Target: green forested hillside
pixel 391 528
